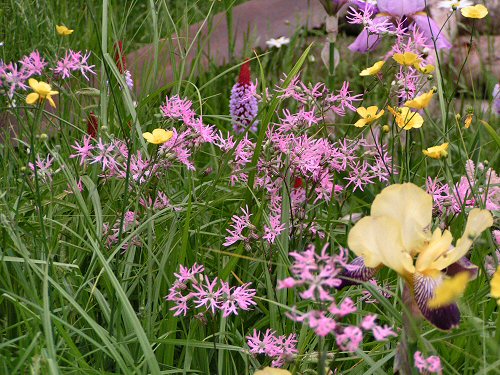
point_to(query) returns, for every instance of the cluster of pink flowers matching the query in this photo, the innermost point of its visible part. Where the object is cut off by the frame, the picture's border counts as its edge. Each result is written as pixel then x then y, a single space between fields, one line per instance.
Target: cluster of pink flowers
pixel 280 349
pixel 429 365
pixel 73 61
pixel 324 166
pixel 14 76
pixel 479 186
pixel 44 168
pixel 193 290
pixel 129 223
pixel 319 276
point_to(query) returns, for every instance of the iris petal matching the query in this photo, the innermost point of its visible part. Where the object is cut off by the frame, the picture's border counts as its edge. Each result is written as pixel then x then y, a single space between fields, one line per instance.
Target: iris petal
pixel 446 317
pixel 463 264
pixel 356 270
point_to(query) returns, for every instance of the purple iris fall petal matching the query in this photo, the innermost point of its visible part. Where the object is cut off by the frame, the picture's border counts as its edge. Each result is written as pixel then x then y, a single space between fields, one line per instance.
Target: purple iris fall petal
pixel 431 31
pixel 358 271
pixel 401 7
pixel 462 265
pixel 445 317
pixel 366 42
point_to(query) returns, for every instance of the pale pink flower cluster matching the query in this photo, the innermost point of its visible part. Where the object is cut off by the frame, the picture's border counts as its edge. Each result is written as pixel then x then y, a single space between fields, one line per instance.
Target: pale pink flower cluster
pixel 280 349
pixel 318 276
pixel 429 365
pixel 44 170
pixel 191 135
pixel 73 61
pixel 118 232
pixel 14 76
pixel 480 186
pixel 194 290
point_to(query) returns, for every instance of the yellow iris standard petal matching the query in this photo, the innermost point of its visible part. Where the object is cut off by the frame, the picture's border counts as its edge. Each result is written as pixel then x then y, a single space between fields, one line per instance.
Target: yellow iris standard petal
pixel 437 152
pixel 450 290
pixel 378 241
pixel 272 371
pixel 372 70
pixel 438 245
pixel 495 285
pixel 421 101
pixel 477 11
pixel 410 207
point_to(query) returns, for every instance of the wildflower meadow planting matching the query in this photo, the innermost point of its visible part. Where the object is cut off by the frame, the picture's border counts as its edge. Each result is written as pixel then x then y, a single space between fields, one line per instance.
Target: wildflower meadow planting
pixel 263 187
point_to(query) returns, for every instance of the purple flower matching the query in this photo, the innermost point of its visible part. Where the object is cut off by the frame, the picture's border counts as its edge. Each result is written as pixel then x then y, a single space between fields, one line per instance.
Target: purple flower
pixel 243 105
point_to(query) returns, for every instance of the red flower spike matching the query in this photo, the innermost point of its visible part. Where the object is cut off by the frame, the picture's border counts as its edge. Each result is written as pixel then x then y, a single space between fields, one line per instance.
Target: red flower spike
pixel 244 78
pixel 92 125
pixel 120 61
pixel 298 183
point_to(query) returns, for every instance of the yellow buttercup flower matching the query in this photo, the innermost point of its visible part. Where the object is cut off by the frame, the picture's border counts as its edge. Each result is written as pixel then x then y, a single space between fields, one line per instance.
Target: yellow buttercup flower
pixel 42 91
pixel 477 11
pixel 372 70
pixel 495 285
pixel 406 119
pixel 407 58
pixel 272 371
pixel 421 101
pixel 450 290
pixel 437 152
pixel 368 115
pixel 427 69
pixel 63 30
pixel 158 137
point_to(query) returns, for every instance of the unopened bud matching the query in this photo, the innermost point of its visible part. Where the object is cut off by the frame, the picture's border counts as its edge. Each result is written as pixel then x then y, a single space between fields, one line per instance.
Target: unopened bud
pixel 386 128
pixel 44 137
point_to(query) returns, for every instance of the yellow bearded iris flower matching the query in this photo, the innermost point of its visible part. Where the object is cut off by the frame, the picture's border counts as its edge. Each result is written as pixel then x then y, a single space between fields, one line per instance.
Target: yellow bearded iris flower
pixel 63 30
pixel 42 91
pixel 372 70
pixel 406 59
pixel 158 136
pixel 406 119
pixel 477 11
pixel 368 115
pixel 437 152
pixel 397 235
pixel 421 101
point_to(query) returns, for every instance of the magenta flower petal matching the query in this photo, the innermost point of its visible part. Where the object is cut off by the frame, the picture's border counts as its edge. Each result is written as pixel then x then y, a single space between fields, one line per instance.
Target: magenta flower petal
pixel 366 42
pixel 401 7
pixel 446 317
pixel 431 31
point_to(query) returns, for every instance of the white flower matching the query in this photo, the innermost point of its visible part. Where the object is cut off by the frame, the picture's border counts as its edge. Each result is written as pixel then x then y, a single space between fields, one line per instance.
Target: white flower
pixel 454 4
pixel 281 41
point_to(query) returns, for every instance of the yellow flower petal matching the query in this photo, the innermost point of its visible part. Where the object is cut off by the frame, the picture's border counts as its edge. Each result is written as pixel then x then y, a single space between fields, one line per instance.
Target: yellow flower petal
pixel 421 101
pixel 409 206
pixel 477 11
pixel 477 222
pixel 374 69
pixel 63 30
pixel 159 136
pixel 450 290
pixel 33 83
pixel 32 98
pixel 407 58
pixel 51 101
pixel 437 152
pixel 272 371
pixel 495 285
pixel 406 119
pixel 438 245
pixel 427 69
pixel 360 123
pixel 378 241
